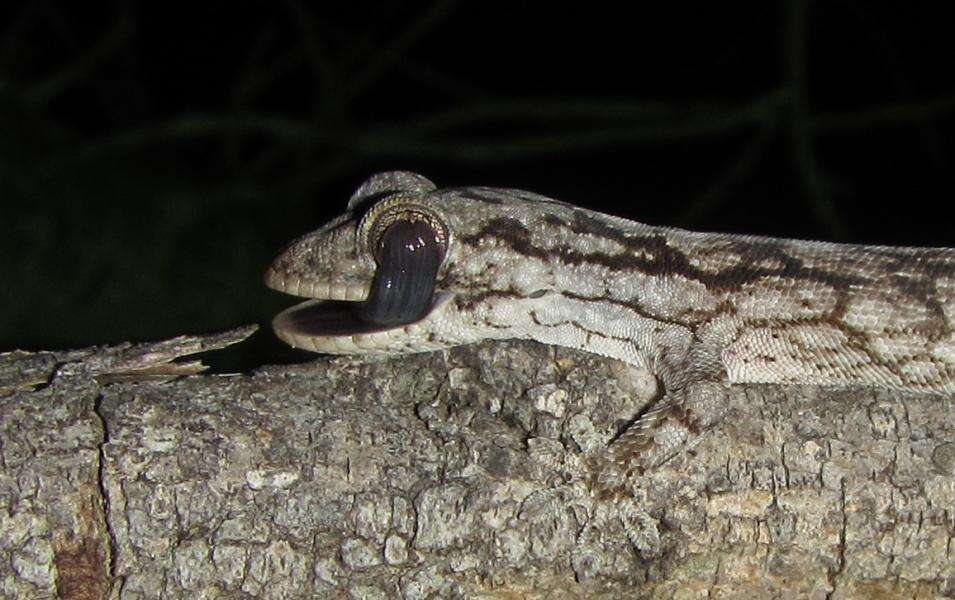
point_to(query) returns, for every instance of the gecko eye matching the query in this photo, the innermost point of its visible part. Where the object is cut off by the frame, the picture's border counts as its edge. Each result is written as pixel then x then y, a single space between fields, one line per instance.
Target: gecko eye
pixel 408 253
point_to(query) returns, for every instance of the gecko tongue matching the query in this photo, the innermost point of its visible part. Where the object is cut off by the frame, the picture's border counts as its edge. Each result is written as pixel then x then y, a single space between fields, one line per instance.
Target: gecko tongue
pixel 403 288
pixel 323 318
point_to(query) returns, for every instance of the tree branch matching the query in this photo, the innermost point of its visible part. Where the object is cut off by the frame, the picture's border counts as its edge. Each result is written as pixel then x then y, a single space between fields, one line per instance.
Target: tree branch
pixel 454 473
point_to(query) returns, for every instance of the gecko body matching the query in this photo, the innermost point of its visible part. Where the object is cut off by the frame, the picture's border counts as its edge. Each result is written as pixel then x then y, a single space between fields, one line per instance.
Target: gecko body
pixel 413 268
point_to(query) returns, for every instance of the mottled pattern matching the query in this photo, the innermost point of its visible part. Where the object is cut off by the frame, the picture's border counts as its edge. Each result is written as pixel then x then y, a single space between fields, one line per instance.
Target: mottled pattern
pixel 772 311
pixel 688 307
pixel 757 309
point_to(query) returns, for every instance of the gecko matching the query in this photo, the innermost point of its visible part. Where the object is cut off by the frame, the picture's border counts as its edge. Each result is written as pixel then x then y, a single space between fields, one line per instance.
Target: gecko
pixel 412 268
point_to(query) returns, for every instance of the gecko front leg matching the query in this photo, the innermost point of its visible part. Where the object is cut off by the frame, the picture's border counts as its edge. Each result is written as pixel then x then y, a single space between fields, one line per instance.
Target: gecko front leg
pixel 691 403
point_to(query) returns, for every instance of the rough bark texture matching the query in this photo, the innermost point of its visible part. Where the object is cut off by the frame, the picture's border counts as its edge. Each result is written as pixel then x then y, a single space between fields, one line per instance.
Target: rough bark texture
pixel 455 474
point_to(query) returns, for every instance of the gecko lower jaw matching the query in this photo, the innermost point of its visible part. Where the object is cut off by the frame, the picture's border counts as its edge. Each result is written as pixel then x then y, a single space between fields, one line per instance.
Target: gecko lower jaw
pixel 329 323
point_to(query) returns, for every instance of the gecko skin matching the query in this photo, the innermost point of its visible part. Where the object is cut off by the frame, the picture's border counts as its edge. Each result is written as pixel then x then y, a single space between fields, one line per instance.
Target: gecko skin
pixel 413 268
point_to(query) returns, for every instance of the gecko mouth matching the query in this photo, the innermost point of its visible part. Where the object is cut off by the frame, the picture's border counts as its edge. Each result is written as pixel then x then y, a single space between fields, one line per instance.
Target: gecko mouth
pixel 347 317
pixel 331 318
pixel 342 317
pixel 335 319
pixel 330 325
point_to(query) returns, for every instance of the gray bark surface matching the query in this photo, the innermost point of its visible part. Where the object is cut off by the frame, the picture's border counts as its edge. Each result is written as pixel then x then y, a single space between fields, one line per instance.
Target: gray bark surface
pixel 464 473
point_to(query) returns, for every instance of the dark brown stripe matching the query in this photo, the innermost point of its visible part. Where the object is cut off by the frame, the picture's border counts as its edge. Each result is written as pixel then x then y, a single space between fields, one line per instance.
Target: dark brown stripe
pixel 651 254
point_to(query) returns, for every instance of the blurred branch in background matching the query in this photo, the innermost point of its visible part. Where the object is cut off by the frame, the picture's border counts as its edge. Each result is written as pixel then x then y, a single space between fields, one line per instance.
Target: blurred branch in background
pixel 541 127
pixel 84 160
pixel 794 54
pixel 78 68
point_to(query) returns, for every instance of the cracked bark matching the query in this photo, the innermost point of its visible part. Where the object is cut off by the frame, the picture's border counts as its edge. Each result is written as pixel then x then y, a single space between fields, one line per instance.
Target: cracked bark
pixel 462 473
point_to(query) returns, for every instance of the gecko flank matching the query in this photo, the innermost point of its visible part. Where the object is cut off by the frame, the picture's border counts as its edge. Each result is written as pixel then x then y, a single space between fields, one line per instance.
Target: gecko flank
pixel 412 268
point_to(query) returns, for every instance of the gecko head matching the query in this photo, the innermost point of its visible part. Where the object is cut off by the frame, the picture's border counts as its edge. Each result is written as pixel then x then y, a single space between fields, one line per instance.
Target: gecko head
pixel 387 276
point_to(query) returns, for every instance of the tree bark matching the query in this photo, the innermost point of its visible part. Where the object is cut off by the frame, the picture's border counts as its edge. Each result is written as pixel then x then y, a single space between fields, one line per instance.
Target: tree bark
pixel 464 473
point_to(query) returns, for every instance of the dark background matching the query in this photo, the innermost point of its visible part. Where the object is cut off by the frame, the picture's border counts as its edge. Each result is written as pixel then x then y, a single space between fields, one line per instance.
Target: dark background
pixel 154 156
